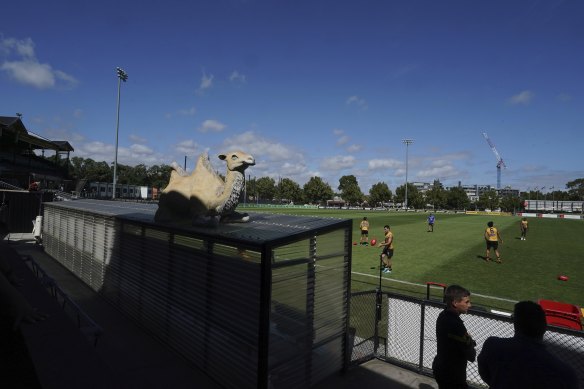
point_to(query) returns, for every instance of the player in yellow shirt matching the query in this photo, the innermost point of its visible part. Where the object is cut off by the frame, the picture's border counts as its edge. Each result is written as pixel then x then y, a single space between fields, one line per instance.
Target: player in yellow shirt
pixel 387 253
pixel 364 226
pixel 524 227
pixel 492 237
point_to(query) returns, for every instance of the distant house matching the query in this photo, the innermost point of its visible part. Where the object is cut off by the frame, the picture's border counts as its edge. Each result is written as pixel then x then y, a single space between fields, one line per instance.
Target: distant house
pixel 336 202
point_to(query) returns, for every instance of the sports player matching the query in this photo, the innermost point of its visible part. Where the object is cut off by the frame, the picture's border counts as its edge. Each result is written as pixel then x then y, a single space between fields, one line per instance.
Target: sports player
pixel 387 252
pixel 364 226
pixel 492 237
pixel 524 227
pixel 431 220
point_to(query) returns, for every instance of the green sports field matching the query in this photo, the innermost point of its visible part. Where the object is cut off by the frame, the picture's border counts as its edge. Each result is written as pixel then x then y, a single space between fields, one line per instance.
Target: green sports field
pixel 454 253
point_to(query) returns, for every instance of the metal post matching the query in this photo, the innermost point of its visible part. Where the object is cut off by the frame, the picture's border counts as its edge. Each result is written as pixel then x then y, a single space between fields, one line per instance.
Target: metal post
pixel 407 142
pixel 122 76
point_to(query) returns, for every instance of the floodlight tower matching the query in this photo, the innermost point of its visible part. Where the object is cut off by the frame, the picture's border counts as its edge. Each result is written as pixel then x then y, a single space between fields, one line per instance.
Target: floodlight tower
pixel 407 142
pixel 500 162
pixel 122 76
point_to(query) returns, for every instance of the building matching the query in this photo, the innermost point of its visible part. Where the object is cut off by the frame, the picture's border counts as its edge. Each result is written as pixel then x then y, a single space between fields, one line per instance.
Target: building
pixel 103 190
pixel 23 161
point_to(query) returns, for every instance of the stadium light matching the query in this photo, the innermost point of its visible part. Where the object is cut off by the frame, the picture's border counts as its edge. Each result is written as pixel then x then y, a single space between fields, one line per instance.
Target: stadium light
pixel 122 76
pixel 407 142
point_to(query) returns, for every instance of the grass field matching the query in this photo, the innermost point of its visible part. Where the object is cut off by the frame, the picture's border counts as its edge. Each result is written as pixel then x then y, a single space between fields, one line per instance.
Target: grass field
pixel 454 253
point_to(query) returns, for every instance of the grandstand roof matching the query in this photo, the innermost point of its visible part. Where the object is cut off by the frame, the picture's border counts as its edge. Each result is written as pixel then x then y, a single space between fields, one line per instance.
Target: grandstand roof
pixel 15 125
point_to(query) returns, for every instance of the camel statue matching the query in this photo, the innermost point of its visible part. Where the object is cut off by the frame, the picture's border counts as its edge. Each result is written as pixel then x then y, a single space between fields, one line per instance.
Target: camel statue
pixel 203 193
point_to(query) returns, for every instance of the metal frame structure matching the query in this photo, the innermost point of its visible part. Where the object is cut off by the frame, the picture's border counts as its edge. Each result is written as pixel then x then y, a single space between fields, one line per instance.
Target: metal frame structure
pixel 266 301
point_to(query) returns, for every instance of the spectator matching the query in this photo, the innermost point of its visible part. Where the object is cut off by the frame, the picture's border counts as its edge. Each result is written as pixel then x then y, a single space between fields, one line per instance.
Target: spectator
pixel 523 360
pixel 455 346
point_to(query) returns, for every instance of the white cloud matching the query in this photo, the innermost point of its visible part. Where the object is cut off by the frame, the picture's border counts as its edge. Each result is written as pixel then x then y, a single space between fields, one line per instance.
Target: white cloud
pixel 137 139
pixel 564 97
pixel 211 125
pixel 358 101
pixel 31 73
pixel 292 169
pixel 26 69
pixel 440 172
pixel 235 76
pixel 206 83
pixel 139 149
pixel 188 147
pixel 354 148
pixel 338 162
pixel 375 164
pixel 188 112
pixel 523 97
pixel 261 148
pixel 24 48
pixel 405 70
pixel 342 140
pixel 338 132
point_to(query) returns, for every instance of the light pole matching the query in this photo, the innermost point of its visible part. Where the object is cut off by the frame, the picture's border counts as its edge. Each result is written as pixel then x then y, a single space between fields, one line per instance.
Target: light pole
pixel 553 198
pixel 122 76
pixel 407 142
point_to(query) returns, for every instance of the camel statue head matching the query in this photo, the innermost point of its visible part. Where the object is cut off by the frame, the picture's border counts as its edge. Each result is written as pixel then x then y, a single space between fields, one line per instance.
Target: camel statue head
pixel 237 160
pixel 203 193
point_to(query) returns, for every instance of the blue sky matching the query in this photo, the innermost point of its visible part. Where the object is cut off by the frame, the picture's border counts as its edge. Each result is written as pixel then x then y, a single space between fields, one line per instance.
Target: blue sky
pixel 327 88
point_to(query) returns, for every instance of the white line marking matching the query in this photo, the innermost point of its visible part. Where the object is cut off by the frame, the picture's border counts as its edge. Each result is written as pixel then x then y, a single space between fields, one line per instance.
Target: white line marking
pixel 423 286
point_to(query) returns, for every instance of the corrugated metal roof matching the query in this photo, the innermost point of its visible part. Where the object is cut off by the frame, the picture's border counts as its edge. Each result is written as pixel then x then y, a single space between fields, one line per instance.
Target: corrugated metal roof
pixel 262 227
pixel 15 124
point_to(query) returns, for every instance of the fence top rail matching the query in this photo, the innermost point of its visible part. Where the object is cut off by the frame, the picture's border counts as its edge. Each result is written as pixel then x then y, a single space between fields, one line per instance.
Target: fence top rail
pixel 473 311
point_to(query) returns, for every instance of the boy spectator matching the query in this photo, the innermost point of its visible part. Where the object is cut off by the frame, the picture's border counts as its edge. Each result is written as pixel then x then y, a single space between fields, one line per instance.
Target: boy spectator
pixel 455 346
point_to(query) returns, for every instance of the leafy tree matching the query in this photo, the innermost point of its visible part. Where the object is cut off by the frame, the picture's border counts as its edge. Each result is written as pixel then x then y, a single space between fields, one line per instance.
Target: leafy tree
pixel 317 191
pixel 77 168
pixel 511 203
pixel 436 195
pixel 158 176
pixel 576 189
pixel 137 175
pixel 379 194
pixel 266 188
pixel 289 190
pixel 456 198
pixel 101 172
pixel 123 172
pixel 488 200
pixel 415 198
pixel 350 191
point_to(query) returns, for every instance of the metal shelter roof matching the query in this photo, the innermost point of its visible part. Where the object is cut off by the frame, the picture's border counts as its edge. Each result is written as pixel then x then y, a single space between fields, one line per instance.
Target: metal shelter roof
pixel 262 227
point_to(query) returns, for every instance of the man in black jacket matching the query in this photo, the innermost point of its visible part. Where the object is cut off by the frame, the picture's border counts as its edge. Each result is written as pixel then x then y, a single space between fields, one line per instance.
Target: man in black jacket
pixel 455 346
pixel 523 361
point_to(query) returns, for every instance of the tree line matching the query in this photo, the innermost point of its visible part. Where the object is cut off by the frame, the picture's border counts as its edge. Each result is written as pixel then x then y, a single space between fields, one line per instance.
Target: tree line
pixel 317 191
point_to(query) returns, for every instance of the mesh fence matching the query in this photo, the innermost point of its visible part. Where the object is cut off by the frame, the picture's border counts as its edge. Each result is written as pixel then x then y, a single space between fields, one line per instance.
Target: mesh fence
pixel 402 330
pixel 363 326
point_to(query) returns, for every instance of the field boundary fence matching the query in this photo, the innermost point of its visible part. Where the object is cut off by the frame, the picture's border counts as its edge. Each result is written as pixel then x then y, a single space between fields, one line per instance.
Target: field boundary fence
pixel 402 330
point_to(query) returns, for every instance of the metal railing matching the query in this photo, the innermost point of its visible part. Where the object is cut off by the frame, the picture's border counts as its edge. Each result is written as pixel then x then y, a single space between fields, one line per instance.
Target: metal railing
pixel 402 330
pixel 86 325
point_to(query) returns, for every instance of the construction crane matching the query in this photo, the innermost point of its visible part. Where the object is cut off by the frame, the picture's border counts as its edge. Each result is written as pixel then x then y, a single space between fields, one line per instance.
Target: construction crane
pixel 500 162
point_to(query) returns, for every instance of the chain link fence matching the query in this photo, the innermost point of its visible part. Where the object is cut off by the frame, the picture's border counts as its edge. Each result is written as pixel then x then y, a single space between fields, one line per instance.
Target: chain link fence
pixel 402 330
